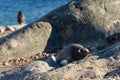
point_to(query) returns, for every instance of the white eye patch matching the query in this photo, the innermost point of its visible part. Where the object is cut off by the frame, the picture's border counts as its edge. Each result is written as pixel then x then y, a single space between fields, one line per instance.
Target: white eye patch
pixel 79 51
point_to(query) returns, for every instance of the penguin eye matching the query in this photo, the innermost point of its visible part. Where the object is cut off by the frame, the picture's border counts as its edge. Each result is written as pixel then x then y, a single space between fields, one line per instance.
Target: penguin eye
pixel 79 50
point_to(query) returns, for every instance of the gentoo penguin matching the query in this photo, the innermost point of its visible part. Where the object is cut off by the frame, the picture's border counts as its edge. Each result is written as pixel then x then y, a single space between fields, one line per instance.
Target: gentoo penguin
pixel 20 18
pixel 71 53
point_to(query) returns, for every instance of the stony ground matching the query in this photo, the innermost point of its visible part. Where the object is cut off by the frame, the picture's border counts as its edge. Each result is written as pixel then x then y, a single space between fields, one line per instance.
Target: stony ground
pixel 102 65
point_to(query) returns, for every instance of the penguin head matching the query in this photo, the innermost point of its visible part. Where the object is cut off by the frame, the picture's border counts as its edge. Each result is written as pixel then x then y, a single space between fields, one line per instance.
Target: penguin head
pixel 83 50
pixel 80 53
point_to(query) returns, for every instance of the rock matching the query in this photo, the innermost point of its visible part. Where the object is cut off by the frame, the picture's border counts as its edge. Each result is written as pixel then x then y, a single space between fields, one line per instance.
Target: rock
pixel 13 43
pixel 86 22
pixel 10 28
pixel 23 72
pixel 14 27
pixel 92 23
pixel 115 74
pixel 25 42
pixel 92 67
pixel 2 29
pixel 39 66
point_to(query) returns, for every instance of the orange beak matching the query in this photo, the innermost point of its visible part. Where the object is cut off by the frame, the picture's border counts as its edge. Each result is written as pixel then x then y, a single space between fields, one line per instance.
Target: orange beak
pixel 88 53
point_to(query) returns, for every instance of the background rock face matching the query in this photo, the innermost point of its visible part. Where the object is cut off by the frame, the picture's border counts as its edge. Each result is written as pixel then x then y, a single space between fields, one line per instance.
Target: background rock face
pixel 26 41
pixel 88 22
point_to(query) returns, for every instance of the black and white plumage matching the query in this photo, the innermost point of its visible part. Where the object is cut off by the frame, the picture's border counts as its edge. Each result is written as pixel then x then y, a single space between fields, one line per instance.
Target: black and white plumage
pixel 71 53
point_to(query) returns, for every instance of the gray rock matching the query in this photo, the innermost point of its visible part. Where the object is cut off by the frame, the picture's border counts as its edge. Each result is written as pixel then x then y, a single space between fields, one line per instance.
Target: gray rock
pixel 93 67
pixel 115 74
pixel 87 22
pixel 39 66
pixel 94 24
pixel 26 72
pixel 2 29
pixel 25 42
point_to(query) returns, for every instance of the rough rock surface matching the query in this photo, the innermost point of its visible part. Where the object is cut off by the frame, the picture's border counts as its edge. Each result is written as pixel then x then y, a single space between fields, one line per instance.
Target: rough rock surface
pixel 24 72
pixel 25 42
pixel 92 23
pixel 101 65
pixel 88 22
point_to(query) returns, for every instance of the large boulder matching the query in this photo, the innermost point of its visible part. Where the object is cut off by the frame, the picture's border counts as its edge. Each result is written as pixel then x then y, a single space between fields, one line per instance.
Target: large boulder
pixel 25 42
pixel 88 22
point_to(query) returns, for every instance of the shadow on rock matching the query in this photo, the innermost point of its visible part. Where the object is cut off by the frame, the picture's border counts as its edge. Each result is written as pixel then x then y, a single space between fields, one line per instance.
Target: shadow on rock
pixel 115 74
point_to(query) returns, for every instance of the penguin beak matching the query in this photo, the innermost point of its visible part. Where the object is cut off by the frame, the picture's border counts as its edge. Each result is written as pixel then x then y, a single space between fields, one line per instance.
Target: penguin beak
pixel 87 50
